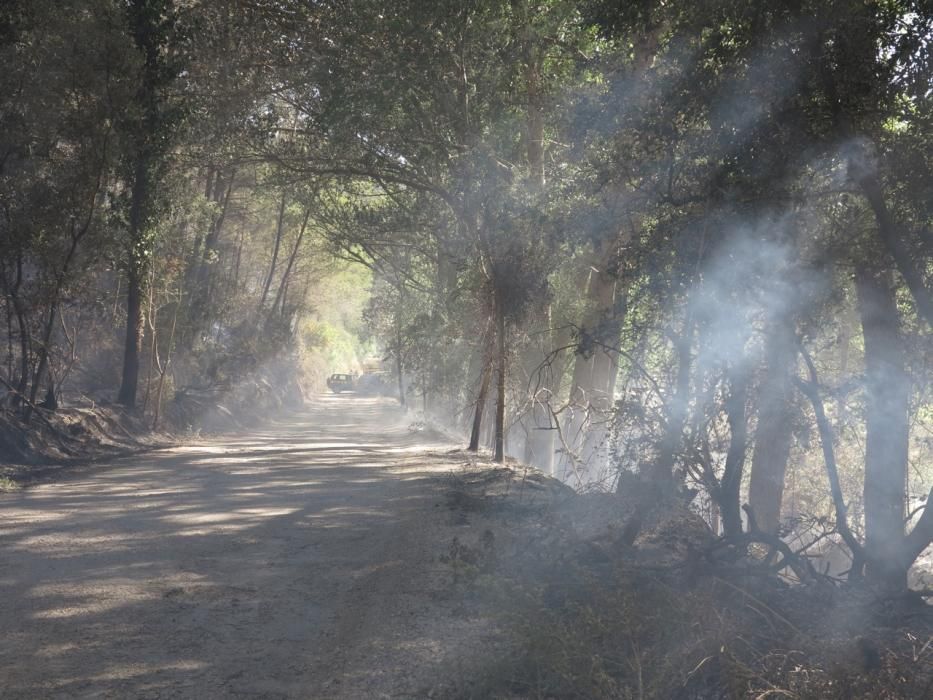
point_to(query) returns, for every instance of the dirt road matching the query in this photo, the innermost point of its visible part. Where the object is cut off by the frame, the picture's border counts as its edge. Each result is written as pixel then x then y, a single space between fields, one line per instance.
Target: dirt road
pixel 296 561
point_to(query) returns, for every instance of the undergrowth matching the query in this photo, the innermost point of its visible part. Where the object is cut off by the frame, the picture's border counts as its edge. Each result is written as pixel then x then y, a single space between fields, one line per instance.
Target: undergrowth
pixel 587 622
pixel 634 634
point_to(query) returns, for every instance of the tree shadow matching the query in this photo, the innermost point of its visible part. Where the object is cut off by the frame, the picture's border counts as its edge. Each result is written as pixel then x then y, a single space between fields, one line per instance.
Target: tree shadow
pixel 211 567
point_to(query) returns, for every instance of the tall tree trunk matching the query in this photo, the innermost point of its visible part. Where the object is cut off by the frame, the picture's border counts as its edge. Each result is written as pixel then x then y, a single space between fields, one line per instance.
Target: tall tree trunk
pixel 237 261
pixel 11 352
pixel 592 368
pixel 534 114
pixel 202 292
pixel 43 352
pixel 42 358
pixel 149 139
pixel 731 482
pixel 546 363
pixel 275 254
pixel 662 471
pixel 399 368
pixel 133 340
pixel 482 394
pixel 603 381
pixel 848 323
pixel 775 425
pixel 283 285
pixel 467 397
pixel 153 338
pixel 499 454
pixel 221 196
pixel 163 368
pixel 134 279
pixel 22 323
pixel 887 389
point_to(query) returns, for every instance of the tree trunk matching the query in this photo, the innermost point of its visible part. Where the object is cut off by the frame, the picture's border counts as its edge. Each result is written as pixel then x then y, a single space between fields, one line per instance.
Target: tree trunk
pixel 43 353
pixel 22 323
pixel 605 372
pixel 133 340
pixel 887 390
pixel 153 337
pixel 499 454
pixel 475 371
pixel 847 325
pixel 662 472
pixel 222 192
pixel 811 390
pixel 163 368
pixel 485 358
pixel 775 424
pixel 11 352
pixel 399 368
pixel 275 254
pixel 731 482
pixel 481 397
pixel 892 237
pixel 42 357
pixel 594 368
pixel 206 275
pixel 283 285
pixel 545 370
pixel 134 277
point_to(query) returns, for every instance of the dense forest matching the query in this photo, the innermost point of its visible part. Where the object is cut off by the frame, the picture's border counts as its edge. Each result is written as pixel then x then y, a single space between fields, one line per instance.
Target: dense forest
pixel 687 245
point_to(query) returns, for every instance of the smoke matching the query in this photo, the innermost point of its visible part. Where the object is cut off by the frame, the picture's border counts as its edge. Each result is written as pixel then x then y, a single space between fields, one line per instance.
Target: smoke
pixel 753 276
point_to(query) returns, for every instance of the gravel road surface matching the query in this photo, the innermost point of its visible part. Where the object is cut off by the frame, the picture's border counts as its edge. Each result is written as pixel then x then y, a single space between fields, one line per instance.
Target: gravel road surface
pixel 295 561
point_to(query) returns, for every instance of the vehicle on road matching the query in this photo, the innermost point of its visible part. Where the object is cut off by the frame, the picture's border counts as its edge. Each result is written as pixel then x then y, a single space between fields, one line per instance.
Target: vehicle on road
pixel 338 383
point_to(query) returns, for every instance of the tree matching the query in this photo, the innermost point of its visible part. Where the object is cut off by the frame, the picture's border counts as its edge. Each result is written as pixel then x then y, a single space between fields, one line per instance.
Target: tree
pixel 147 130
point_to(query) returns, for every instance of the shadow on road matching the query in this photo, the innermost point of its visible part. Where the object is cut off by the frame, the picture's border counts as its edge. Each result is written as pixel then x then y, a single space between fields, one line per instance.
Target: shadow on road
pixel 231 566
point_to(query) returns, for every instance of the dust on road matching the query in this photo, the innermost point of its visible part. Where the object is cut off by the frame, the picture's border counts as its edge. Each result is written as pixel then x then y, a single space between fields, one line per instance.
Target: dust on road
pixel 295 561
